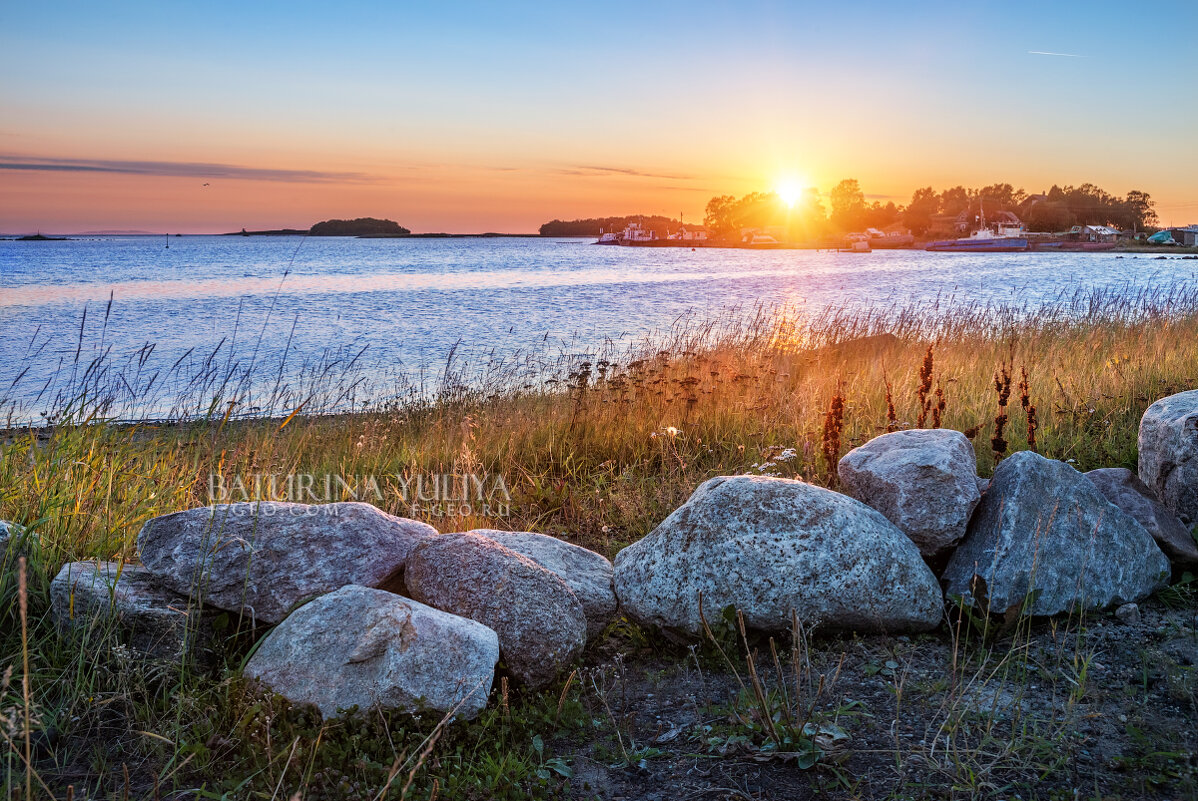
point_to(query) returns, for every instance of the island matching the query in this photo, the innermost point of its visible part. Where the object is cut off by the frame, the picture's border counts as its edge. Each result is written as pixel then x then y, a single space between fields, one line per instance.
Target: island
pixel 362 226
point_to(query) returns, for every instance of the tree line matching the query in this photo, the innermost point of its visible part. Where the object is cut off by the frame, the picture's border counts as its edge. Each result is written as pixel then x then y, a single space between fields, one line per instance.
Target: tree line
pixel 593 226
pixel 848 210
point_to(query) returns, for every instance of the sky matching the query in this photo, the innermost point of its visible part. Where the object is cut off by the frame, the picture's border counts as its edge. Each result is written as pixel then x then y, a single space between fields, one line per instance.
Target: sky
pixel 469 117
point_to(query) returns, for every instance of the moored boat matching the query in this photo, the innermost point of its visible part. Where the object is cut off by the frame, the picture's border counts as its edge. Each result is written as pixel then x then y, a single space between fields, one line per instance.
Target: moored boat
pixel 1002 238
pixel 979 244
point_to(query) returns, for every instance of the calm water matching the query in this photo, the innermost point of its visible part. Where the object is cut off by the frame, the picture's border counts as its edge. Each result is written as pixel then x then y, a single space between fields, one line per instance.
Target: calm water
pixel 409 302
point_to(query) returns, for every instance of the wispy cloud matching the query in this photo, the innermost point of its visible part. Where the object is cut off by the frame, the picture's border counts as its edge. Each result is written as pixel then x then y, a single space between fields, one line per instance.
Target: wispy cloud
pixel 1047 53
pixel 589 169
pixel 179 169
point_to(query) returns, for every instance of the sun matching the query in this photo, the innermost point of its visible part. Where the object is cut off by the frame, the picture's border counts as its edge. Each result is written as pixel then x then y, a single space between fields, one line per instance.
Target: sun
pixel 789 190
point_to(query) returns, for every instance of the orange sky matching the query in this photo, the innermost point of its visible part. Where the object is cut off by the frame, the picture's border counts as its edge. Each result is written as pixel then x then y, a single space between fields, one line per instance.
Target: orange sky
pixel 500 120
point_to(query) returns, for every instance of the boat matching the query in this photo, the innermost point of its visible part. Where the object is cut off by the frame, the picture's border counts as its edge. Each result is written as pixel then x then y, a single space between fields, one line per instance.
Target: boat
pixel 761 242
pixel 856 243
pixel 636 235
pixel 1001 238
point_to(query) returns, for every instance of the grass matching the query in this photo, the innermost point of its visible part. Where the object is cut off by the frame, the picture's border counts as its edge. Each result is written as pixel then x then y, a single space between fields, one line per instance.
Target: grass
pixel 596 450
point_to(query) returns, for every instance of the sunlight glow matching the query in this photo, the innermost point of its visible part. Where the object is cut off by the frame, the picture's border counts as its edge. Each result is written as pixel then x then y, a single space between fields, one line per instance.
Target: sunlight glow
pixel 789 190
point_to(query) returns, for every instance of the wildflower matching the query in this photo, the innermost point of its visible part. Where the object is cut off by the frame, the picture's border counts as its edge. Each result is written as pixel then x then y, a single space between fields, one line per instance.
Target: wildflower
pixel 673 432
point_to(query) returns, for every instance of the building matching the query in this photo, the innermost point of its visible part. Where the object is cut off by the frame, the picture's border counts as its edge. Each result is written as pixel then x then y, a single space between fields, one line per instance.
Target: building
pixel 1185 236
pixel 967 221
pixel 692 234
pixel 1093 233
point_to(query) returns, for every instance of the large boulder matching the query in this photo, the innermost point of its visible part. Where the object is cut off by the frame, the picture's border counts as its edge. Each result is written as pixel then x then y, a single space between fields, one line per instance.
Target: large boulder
pixel 263 558
pixel 363 647
pixel 770 546
pixel 1124 488
pixel 1168 461
pixel 925 481
pixel 539 620
pixel 1044 530
pixel 586 572
pixel 124 600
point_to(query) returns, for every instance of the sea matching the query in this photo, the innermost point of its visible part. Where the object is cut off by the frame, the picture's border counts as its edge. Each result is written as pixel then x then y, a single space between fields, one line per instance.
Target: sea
pixel 147 327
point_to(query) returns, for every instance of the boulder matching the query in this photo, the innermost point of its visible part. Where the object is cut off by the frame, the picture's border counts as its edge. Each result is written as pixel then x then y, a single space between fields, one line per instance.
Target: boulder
pixel 263 558
pixel 1043 529
pixel 125 599
pixel 1124 488
pixel 925 481
pixel 983 485
pixel 767 546
pixel 1168 461
pixel 584 571
pixel 539 620
pixel 15 542
pixel 364 647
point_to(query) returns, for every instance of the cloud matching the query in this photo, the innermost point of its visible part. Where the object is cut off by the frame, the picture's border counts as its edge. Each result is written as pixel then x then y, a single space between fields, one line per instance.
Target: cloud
pixel 1047 53
pixel 587 169
pixel 179 169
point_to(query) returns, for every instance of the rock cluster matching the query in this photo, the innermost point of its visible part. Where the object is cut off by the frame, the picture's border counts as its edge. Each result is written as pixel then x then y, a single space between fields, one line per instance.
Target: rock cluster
pixel 371 609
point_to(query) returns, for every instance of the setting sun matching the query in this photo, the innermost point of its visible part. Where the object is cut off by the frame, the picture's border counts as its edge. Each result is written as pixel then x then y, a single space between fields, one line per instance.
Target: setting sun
pixel 789 190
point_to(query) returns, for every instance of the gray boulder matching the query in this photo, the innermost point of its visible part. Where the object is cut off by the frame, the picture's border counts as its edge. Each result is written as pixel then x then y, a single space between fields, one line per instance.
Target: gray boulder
pixel 587 573
pixel 540 622
pixel 983 485
pixel 768 546
pixel 1124 488
pixel 1168 461
pixel 125 600
pixel 15 542
pixel 1044 529
pixel 925 481
pixel 363 647
pixel 263 558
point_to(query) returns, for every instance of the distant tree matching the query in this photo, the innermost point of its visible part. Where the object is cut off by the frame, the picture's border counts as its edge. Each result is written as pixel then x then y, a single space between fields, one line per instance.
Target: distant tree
pixel 1049 216
pixel 1001 197
pixel 955 200
pixel 925 203
pixel 880 216
pixel 719 218
pixel 593 226
pixel 1138 211
pixel 727 216
pixel 363 226
pixel 848 205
